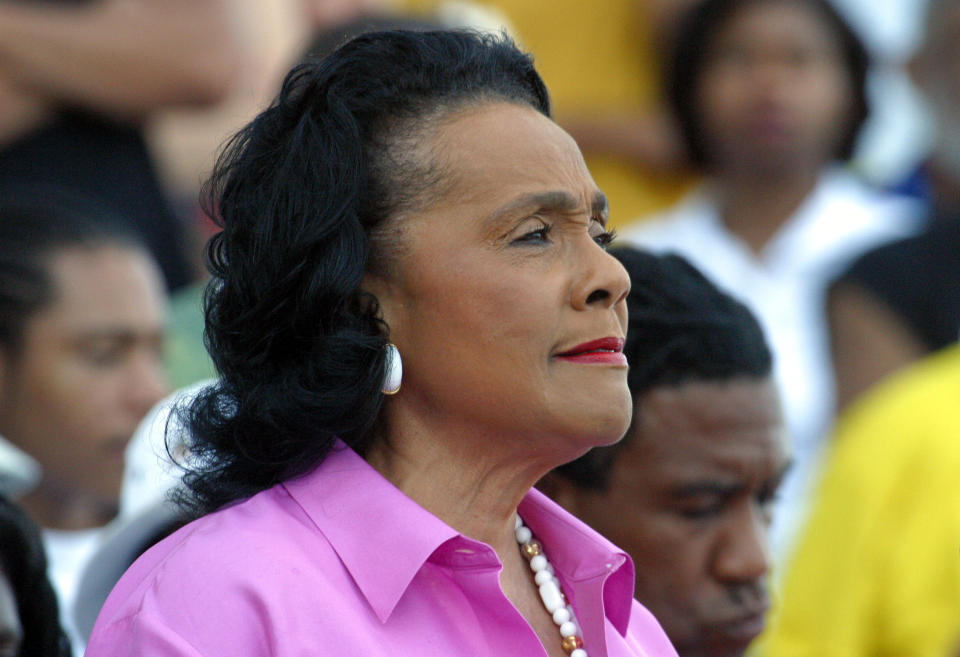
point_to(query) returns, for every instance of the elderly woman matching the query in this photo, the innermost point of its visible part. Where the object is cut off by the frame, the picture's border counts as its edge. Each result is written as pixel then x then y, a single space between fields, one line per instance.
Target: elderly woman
pixel 407 199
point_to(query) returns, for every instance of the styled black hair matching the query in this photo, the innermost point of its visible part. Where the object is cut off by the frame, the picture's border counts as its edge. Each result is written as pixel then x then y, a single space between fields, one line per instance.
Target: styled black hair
pixel 682 329
pixel 34 225
pixel 307 195
pixel 24 564
pixel 328 40
pixel 689 57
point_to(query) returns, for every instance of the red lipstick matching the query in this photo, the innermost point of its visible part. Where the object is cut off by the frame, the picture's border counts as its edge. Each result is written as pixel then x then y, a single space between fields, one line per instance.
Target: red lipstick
pixel 605 351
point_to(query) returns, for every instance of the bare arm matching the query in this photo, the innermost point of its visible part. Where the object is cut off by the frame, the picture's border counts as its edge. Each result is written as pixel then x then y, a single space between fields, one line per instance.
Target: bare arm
pixel 868 340
pixel 123 58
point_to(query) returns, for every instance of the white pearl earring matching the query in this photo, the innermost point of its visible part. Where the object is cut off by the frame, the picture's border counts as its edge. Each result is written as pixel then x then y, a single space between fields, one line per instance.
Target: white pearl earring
pixel 391 382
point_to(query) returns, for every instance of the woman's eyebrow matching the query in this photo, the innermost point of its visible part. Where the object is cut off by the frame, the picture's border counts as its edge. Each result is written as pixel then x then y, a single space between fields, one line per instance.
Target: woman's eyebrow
pixel 600 207
pixel 558 201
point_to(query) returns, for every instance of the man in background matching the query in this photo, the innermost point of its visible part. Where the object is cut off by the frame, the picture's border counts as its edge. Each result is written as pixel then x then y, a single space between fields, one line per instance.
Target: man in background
pixel 688 491
pixel 81 332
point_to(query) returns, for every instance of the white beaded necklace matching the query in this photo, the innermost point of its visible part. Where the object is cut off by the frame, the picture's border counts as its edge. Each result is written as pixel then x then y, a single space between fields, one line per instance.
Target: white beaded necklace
pixel 550 593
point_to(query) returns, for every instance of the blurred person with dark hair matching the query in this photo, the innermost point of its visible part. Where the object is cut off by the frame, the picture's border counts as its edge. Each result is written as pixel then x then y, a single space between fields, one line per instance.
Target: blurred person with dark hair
pixel 29 620
pixel 78 80
pixel 902 300
pixel 81 330
pixel 689 490
pixel 414 318
pixel 770 96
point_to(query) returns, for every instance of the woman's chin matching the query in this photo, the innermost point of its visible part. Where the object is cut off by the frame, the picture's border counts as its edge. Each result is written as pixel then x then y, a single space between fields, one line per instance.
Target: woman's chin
pixel 606 427
pixel 615 433
pixel 615 422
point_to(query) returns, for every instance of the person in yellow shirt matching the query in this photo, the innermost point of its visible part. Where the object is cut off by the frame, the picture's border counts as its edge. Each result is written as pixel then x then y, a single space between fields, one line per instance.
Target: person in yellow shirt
pixel 877 571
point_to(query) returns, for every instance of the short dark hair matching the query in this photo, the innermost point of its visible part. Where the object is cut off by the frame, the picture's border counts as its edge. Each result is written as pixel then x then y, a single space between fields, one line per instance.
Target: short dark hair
pixel 688 58
pixel 24 563
pixel 682 329
pixel 303 194
pixel 34 224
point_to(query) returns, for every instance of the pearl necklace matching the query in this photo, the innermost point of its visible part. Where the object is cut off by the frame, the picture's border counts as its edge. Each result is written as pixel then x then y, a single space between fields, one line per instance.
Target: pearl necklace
pixel 550 593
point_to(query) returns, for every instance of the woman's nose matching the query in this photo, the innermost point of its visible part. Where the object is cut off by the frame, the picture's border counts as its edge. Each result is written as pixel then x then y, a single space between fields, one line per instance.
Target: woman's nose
pixel 602 282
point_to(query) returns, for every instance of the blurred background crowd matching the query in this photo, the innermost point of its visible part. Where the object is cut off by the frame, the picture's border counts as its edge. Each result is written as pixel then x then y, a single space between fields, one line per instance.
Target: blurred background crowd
pixel 803 154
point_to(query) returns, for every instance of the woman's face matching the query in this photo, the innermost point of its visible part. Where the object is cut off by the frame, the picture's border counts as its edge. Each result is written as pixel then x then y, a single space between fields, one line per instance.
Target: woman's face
pixel 498 282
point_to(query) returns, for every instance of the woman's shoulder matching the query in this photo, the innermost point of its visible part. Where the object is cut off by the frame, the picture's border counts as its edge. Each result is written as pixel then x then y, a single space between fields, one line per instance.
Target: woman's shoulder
pixel 230 578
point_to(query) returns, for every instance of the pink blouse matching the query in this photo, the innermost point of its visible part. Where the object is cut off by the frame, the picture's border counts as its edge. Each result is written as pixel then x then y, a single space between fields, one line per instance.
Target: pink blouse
pixel 340 562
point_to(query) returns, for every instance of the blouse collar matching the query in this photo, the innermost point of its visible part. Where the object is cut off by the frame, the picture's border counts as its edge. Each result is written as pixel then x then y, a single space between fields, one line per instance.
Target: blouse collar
pixel 384 538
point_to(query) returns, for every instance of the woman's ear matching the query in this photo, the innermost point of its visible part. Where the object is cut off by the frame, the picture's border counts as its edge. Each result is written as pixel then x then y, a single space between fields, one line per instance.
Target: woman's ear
pixel 386 294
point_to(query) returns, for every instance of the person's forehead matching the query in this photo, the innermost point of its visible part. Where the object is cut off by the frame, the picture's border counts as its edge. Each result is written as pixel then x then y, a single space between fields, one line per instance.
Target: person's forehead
pixel 512 147
pixel 103 290
pixel 787 21
pixel 734 426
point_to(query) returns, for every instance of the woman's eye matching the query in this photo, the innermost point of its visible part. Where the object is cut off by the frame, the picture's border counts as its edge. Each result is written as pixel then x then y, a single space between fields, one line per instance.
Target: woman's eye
pixel 538 235
pixel 606 238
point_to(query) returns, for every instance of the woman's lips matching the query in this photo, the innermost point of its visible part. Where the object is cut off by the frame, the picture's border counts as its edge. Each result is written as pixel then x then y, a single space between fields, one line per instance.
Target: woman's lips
pixel 605 351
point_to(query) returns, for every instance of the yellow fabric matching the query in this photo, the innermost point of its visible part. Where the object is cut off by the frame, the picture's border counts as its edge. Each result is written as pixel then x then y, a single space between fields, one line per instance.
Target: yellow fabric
pixel 595 56
pixel 877 571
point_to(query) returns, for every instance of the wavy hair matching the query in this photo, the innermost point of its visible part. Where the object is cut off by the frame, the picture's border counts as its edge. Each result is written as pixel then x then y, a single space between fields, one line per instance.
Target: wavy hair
pixel 310 196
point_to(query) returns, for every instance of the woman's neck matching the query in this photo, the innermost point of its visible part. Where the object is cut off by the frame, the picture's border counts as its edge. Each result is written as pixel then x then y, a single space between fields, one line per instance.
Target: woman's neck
pixel 755 210
pixel 473 481
pixel 460 476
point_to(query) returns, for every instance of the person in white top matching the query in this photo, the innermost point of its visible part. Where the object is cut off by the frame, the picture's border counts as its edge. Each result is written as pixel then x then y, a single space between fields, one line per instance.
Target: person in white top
pixel 82 308
pixel 770 95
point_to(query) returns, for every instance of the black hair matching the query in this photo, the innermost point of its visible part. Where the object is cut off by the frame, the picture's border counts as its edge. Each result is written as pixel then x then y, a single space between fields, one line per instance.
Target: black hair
pixel 682 329
pixel 328 40
pixel 689 56
pixel 307 195
pixel 24 564
pixel 34 224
